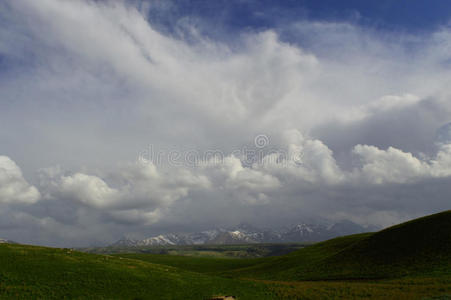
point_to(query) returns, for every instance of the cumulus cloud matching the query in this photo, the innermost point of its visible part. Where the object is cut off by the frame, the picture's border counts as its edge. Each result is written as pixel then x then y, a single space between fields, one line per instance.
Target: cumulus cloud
pixel 13 186
pixel 351 115
pixel 139 194
pixel 87 189
pixel 248 185
pixel 395 166
pixel 392 165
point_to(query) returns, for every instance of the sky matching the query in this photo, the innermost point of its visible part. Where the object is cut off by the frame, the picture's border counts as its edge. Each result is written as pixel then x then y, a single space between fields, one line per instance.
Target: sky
pixel 135 118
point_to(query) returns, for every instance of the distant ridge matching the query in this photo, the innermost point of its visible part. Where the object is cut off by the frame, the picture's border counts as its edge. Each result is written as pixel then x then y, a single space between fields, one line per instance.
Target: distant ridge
pixel 248 234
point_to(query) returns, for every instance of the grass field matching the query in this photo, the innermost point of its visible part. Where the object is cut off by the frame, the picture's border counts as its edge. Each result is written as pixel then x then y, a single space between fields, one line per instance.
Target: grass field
pixel 206 265
pixel 225 251
pixel 400 289
pixel 408 261
pixel 36 272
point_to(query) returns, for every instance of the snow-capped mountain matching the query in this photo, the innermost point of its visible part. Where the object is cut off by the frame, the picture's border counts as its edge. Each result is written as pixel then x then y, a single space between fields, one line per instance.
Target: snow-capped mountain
pixel 4 241
pixel 307 232
pixel 170 239
pixel 247 234
pixel 196 238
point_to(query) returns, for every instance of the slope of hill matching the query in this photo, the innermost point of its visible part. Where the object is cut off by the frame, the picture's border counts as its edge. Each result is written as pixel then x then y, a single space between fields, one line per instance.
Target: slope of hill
pixel 421 246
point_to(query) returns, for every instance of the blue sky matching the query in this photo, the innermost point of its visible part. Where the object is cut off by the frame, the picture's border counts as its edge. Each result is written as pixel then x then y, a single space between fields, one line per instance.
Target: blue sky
pixel 392 15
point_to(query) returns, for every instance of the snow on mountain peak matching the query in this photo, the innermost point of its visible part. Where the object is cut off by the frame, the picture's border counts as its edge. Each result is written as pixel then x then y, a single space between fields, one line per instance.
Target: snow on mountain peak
pixel 245 233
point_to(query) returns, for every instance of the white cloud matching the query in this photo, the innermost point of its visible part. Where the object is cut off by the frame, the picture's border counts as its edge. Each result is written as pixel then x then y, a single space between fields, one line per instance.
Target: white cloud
pixel 305 159
pixel 441 165
pixel 88 189
pixel 391 102
pixel 248 185
pixel 395 166
pixel 13 186
pixel 141 190
pixel 391 165
pixel 387 103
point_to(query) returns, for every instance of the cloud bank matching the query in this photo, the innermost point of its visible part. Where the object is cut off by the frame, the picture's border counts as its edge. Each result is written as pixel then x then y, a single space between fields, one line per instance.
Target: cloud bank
pixel 356 121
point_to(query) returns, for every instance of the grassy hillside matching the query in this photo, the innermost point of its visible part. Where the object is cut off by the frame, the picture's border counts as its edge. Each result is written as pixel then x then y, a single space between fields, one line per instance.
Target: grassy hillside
pixel 206 265
pixel 418 247
pixel 218 251
pixel 37 272
pixel 286 267
pixel 421 246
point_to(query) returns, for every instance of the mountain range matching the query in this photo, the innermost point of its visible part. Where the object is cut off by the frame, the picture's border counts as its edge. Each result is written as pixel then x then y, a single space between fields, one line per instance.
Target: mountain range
pixel 248 234
pixel 4 241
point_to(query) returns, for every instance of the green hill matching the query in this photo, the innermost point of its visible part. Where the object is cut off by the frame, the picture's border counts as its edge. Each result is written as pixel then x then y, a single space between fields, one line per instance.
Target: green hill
pixel 421 246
